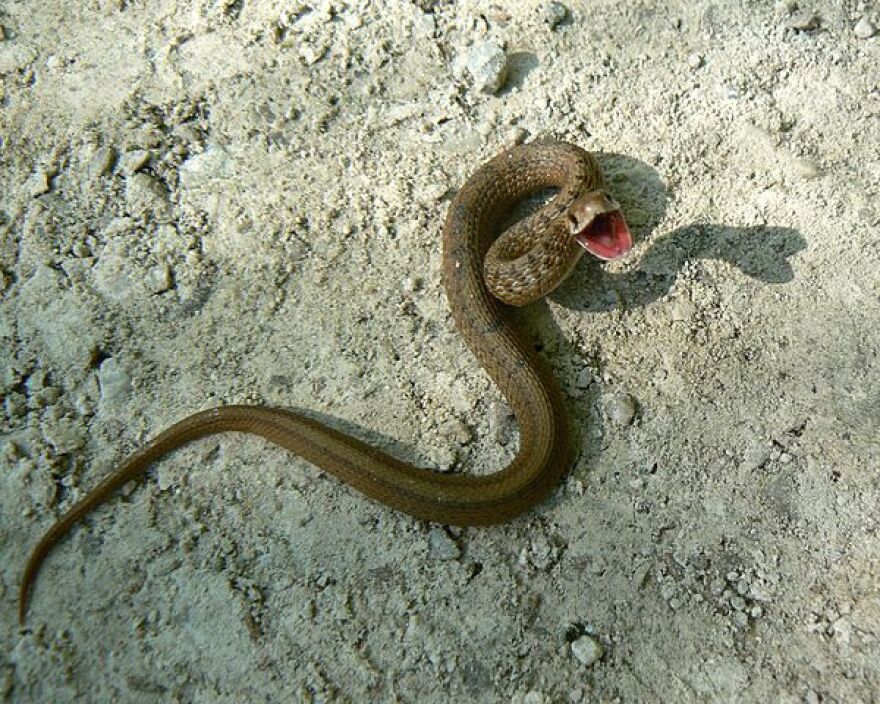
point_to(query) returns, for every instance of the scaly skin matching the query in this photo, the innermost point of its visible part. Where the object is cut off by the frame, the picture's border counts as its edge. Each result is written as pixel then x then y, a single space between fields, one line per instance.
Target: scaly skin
pixel 527 262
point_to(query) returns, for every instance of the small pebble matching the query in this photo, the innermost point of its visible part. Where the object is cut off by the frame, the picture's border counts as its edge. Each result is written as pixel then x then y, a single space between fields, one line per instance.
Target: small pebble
pixel 311 54
pixel 802 21
pixel 864 29
pixel 487 64
pixel 534 697
pixel 458 431
pixel 640 577
pixel 738 603
pixel 410 285
pixel 38 183
pixel 587 650
pixel 144 193
pixel 102 162
pixel 165 476
pixel 694 60
pixel 584 378
pixel 114 380
pixel 134 161
pixel 542 554
pixel 517 135
pixel 555 13
pixel 576 696
pixel 622 409
pixel 753 459
pixel 159 278
pixel 804 168
pixel 441 546
pixel 442 458
pixel 201 169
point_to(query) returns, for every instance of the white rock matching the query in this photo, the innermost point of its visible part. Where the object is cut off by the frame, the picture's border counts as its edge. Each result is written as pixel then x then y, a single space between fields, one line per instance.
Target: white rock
pixel 135 160
pixel 804 168
pixel 864 29
pixel 584 378
pixel 201 169
pixel 587 650
pixel 695 60
pixel 622 409
pixel 115 381
pixel 38 183
pixel 159 278
pixel 102 162
pixel 441 546
pixel 145 193
pixel 802 21
pixel 555 13
pixel 487 64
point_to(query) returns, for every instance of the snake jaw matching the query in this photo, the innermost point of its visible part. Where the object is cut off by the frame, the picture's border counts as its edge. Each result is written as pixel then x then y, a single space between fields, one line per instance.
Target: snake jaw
pixel 597 225
pixel 607 236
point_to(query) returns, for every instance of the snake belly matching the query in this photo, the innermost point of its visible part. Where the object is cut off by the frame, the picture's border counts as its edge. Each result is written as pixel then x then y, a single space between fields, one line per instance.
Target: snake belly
pixel 545 450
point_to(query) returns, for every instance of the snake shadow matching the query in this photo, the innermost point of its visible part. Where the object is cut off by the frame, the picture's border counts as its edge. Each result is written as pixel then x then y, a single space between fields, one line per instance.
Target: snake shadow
pixel 761 252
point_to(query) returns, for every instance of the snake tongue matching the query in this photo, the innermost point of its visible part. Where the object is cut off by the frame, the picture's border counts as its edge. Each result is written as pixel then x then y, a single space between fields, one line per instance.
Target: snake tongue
pixel 606 237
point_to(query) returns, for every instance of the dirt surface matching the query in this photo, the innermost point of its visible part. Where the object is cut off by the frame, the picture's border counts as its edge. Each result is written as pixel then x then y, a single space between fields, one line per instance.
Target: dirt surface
pixel 231 201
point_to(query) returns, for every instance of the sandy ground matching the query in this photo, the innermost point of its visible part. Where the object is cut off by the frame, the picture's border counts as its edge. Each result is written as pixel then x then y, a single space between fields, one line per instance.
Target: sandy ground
pixel 224 201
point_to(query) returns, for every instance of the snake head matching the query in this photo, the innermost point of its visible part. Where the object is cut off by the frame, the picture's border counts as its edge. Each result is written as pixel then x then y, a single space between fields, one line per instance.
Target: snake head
pixel 596 223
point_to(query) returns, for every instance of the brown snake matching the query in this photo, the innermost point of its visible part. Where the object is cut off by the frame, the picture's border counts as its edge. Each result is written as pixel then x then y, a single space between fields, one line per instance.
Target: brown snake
pixel 526 262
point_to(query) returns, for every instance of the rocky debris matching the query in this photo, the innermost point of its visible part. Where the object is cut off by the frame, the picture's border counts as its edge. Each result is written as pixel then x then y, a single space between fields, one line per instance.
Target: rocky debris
pixel 115 382
pixel 441 546
pixel 555 13
pixel 145 193
pixel 622 409
pixel 864 29
pixel 487 64
pixel 102 162
pixel 38 184
pixel 135 160
pixel 159 278
pixel 587 650
pixel 802 21
pixel 584 378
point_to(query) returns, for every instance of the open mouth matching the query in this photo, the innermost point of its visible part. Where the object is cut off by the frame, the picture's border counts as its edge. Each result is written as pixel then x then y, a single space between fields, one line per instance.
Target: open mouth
pixel 606 237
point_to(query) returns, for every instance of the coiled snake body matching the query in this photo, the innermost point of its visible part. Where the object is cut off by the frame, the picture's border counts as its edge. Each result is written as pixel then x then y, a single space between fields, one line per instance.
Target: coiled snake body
pixel 526 262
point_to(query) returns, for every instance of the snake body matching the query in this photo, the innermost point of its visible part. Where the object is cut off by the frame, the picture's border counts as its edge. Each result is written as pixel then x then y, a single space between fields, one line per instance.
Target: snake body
pixel 527 261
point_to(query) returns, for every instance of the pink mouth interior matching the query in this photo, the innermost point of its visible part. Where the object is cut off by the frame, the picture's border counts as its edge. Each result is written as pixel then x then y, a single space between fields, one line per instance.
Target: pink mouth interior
pixel 607 236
